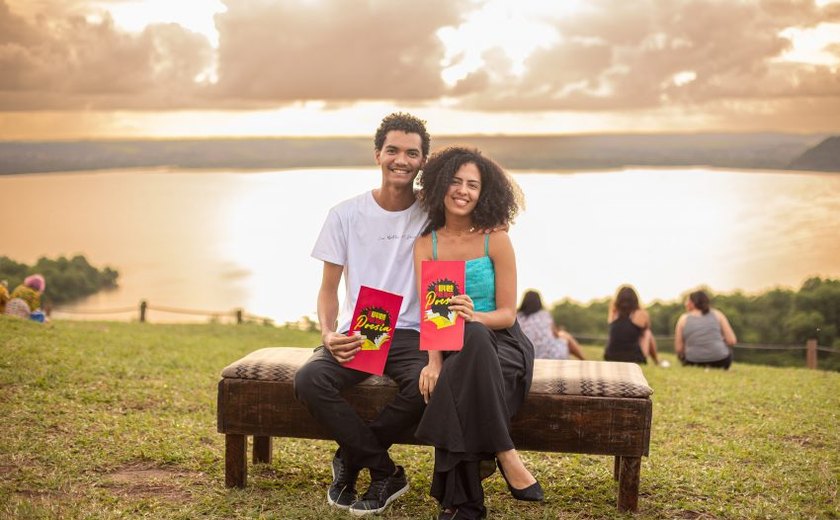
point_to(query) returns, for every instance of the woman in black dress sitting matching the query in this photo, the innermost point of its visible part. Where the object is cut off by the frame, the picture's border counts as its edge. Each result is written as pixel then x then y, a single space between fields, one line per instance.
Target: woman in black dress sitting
pixel 630 337
pixel 472 394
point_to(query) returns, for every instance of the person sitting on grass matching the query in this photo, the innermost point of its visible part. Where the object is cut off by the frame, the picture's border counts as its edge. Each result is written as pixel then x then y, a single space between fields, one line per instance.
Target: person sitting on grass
pixel 25 300
pixel 703 335
pixel 550 341
pixel 630 338
pixel 4 295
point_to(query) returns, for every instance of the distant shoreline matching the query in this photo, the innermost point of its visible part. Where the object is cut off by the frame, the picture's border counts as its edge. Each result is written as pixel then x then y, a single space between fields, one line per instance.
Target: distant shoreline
pixel 140 170
pixel 521 153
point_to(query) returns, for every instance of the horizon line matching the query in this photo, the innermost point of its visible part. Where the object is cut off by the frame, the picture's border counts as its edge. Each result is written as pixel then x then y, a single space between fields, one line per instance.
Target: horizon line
pixel 437 135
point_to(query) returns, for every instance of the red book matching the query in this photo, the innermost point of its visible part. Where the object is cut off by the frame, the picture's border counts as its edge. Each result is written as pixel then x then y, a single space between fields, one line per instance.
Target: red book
pixel 375 318
pixel 440 328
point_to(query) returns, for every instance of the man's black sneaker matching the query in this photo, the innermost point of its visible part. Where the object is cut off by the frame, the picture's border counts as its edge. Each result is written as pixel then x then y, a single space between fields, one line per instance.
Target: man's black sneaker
pixel 381 493
pixel 342 491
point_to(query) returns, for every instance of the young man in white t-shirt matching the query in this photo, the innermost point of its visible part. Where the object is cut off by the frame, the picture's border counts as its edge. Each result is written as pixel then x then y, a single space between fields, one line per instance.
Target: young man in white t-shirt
pixel 369 240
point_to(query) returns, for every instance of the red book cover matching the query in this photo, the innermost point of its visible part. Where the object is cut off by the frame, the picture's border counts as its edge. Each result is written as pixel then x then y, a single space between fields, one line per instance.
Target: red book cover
pixel 440 328
pixel 375 318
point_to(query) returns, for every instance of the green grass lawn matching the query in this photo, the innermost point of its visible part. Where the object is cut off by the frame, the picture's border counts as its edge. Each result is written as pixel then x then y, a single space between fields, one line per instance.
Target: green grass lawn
pixel 113 420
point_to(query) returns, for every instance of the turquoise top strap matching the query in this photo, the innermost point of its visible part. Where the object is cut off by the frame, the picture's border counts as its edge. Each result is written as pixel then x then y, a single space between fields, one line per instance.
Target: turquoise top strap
pixel 480 277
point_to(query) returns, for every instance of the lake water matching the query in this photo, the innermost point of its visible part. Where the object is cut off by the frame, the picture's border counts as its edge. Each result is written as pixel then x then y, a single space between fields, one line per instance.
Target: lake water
pixel 216 241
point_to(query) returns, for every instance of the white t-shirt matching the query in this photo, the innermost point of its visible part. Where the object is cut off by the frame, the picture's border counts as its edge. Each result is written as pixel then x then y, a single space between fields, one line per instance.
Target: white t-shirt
pixel 375 247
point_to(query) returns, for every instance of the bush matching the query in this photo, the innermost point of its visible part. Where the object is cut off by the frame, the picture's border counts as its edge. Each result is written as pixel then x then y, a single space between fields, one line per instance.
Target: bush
pixel 777 316
pixel 67 279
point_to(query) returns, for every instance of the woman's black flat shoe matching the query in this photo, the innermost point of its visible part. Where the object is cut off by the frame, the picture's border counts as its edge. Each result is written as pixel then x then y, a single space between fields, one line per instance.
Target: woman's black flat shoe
pixel 532 493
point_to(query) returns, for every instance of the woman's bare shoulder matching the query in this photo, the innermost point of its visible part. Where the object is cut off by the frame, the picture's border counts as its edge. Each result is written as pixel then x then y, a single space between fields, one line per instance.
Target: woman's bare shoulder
pixel 423 244
pixel 719 315
pixel 499 236
pixel 640 317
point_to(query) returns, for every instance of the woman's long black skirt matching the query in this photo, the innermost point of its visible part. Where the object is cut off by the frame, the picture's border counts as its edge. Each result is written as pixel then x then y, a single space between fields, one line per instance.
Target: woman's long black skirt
pixel 467 420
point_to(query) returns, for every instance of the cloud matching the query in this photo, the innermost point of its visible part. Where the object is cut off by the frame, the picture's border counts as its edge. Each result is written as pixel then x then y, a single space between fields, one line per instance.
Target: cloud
pixel 633 55
pixel 332 50
pixel 609 55
pixel 70 62
pixel 271 54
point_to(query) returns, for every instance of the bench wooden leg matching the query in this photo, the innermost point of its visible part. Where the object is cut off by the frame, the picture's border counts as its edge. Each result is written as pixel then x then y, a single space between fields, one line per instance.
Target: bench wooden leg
pixel 236 464
pixel 616 467
pixel 628 483
pixel 262 450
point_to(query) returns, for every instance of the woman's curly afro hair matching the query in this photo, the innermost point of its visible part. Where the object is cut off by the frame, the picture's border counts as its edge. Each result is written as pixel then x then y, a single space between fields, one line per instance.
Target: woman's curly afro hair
pixel 498 203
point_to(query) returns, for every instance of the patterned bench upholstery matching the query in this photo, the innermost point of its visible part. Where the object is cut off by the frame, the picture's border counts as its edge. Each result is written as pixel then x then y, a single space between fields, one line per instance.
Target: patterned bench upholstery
pixel 558 377
pixel 594 407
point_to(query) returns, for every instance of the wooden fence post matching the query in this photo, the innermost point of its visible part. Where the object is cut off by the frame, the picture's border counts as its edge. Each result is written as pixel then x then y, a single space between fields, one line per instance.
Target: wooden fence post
pixel 811 354
pixel 142 311
pixel 239 316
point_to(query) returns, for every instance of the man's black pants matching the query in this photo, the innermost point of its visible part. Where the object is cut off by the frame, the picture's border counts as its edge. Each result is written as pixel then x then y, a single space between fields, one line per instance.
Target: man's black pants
pixel 318 385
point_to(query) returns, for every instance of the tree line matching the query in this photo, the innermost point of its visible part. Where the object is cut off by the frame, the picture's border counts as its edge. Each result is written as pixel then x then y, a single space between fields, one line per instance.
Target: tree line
pixel 777 316
pixel 67 279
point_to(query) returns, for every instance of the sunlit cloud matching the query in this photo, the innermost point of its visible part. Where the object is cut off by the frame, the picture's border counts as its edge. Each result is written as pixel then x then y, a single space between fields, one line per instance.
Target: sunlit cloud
pixel 517 30
pixel 813 45
pixel 195 15
pixel 71 62
pixel 684 77
pixel 252 60
pixel 618 55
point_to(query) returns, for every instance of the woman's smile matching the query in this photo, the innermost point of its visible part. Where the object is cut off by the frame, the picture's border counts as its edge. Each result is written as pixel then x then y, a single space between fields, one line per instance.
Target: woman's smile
pixel 464 189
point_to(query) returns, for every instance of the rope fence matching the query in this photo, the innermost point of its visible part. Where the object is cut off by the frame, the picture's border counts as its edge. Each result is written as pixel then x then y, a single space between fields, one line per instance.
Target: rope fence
pixel 758 346
pixel 238 314
pixel 121 310
pixel 810 347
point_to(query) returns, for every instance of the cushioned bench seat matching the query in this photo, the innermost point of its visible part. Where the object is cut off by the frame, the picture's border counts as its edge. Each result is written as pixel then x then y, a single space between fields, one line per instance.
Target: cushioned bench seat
pixel 593 407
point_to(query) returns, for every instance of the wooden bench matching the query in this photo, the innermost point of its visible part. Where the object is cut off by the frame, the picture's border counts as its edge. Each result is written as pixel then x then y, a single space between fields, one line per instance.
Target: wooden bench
pixel 592 407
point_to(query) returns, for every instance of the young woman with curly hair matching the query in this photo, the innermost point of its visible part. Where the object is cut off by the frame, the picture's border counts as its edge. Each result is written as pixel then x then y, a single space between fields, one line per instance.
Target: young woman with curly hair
pixel 473 393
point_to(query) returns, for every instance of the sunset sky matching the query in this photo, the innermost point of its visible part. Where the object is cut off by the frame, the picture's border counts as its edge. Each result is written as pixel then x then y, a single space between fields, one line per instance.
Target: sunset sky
pixel 159 68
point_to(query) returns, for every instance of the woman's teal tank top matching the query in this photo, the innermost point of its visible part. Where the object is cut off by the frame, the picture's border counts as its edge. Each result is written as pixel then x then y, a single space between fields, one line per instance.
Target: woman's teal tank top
pixel 480 277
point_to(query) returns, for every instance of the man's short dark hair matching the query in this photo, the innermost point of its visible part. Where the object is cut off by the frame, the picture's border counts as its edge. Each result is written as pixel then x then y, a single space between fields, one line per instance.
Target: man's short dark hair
pixel 405 123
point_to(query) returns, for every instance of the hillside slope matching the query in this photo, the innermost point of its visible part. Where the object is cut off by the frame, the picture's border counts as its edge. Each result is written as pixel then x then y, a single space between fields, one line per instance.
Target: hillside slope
pixel 824 157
